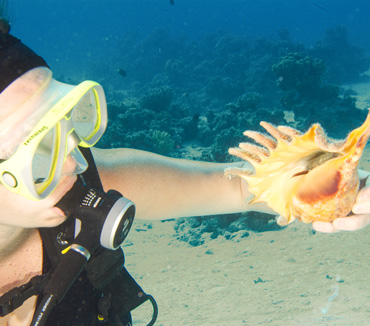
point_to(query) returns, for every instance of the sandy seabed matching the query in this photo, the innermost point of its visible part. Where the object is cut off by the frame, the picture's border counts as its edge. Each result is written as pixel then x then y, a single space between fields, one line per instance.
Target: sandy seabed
pixel 294 276
pixel 288 277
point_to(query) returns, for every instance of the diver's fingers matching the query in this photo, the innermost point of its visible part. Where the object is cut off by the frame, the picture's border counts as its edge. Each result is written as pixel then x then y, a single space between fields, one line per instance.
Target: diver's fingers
pixel 362 204
pixel 351 223
pixel 261 139
pixel 348 223
pixel 275 132
pixel 324 227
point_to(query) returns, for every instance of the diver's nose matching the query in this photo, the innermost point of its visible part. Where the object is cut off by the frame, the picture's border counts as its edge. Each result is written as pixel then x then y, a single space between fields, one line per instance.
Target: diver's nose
pixel 75 163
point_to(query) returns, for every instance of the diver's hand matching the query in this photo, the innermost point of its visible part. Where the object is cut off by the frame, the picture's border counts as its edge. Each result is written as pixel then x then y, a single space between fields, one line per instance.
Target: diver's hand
pixel 360 210
pixel 349 223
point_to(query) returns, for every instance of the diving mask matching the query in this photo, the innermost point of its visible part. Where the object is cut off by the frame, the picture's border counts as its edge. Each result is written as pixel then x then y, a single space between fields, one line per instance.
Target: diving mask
pixel 79 118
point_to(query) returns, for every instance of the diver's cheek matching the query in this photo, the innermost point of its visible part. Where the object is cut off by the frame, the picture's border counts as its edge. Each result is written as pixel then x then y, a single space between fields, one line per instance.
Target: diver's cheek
pixel 19 211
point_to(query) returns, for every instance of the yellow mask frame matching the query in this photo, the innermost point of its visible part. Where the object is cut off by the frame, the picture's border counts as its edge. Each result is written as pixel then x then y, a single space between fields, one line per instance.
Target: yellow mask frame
pixel 61 126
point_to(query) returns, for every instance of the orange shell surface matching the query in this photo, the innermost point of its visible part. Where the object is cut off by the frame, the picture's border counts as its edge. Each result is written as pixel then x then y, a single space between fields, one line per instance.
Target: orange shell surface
pixel 303 176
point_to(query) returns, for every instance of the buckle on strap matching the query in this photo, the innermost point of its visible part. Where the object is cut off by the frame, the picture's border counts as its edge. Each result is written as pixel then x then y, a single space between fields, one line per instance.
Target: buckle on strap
pixel 17 296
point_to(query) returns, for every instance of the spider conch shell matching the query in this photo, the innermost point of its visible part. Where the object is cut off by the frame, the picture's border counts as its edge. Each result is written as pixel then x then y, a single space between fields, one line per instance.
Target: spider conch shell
pixel 303 176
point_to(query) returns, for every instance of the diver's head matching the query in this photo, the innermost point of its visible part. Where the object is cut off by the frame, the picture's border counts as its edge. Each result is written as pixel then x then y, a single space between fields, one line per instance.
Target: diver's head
pixel 42 121
pixel 24 79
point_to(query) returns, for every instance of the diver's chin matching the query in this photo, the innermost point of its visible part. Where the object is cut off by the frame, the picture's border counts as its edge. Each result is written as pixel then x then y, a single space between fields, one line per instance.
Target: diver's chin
pixel 58 212
pixel 57 218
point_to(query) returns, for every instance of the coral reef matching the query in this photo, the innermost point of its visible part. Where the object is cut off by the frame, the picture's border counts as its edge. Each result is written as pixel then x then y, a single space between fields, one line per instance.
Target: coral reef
pixel 245 102
pixel 162 142
pixel 298 73
pixel 157 99
pixel 345 62
pixel 300 77
pixel 196 230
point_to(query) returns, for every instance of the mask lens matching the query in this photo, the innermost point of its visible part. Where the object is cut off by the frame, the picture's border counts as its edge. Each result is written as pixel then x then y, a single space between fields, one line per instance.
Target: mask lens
pixel 85 116
pixel 43 163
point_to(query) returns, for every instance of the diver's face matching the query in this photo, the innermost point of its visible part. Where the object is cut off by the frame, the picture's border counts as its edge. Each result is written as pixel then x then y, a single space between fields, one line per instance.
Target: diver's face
pixel 17 115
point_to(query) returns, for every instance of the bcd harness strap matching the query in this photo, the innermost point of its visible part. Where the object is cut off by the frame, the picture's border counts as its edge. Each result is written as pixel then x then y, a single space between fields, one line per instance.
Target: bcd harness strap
pixel 17 296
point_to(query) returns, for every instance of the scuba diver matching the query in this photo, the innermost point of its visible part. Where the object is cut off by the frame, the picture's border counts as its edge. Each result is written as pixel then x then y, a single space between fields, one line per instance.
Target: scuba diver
pixel 66 207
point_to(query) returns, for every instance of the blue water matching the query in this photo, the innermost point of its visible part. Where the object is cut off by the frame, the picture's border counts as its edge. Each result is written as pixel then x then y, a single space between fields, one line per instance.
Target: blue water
pixel 68 31
pixel 206 58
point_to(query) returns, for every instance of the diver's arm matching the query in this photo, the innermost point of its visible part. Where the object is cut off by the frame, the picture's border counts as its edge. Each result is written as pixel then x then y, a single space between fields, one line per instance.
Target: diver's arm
pixel 163 187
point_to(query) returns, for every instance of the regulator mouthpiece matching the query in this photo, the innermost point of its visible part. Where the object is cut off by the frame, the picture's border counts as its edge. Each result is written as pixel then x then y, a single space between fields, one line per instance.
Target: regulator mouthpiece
pixel 102 218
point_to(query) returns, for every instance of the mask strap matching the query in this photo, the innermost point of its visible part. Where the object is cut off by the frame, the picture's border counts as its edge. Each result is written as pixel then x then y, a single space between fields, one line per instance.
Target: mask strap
pixel 16 59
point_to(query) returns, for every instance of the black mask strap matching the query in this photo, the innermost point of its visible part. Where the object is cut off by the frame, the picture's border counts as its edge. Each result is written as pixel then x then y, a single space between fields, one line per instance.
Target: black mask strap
pixel 16 59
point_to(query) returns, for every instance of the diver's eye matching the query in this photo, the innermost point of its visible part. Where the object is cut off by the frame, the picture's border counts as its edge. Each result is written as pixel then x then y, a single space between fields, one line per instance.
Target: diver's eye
pixel 299 173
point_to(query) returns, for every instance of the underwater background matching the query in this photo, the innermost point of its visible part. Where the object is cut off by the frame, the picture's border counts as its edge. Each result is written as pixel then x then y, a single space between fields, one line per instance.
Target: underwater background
pixel 185 78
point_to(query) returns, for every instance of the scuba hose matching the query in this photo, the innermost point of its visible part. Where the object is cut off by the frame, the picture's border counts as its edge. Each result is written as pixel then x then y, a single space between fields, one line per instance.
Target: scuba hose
pixel 103 220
